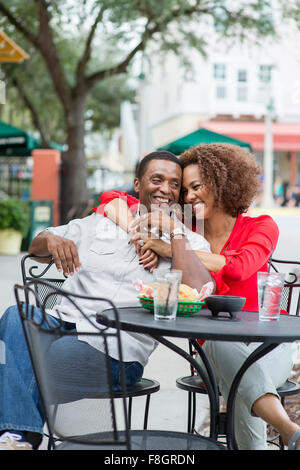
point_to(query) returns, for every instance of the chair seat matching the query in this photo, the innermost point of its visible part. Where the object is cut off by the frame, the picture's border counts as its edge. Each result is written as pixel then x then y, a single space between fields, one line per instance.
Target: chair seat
pixel 150 440
pixel 143 387
pixel 191 383
pixel 288 388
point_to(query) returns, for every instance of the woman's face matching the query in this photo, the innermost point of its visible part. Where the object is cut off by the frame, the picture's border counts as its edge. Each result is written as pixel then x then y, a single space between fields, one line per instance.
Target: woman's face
pixel 196 194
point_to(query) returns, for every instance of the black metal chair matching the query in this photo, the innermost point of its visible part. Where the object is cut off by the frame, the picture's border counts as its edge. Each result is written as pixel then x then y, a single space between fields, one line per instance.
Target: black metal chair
pixel 194 385
pixel 145 387
pixel 290 302
pixel 77 418
pixel 45 271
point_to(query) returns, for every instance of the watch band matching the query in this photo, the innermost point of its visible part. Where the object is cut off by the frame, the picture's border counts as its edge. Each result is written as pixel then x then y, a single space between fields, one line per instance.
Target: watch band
pixel 177 231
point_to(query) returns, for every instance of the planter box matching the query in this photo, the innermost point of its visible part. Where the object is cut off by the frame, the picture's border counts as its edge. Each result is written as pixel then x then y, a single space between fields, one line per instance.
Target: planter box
pixel 10 242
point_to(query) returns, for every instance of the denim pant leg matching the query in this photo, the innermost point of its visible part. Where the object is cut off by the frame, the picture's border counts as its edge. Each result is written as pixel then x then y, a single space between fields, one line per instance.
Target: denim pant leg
pixel 20 406
pixel 19 401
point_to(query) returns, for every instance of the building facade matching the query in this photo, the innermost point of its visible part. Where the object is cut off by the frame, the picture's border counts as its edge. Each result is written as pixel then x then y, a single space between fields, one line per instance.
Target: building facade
pixel 228 92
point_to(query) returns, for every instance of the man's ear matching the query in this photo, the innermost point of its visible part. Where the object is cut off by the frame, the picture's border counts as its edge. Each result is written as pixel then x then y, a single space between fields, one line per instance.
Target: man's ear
pixel 136 185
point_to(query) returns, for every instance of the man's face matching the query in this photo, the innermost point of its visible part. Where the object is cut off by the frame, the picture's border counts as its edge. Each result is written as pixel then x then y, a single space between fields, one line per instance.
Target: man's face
pixel 160 184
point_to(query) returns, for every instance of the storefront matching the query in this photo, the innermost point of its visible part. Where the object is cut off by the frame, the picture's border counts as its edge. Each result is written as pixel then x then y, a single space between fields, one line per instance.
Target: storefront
pixel 286 144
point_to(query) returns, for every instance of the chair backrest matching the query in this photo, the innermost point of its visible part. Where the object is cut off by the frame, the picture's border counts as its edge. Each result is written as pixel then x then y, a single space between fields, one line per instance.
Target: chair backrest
pixel 75 411
pixel 33 269
pixel 290 300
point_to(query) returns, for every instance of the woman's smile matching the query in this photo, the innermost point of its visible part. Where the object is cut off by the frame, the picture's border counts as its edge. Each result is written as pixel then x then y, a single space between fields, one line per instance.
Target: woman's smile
pixel 195 193
pixel 198 208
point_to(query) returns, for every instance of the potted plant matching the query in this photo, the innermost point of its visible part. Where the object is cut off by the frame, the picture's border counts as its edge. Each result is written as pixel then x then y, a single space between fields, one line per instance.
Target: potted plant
pixel 14 225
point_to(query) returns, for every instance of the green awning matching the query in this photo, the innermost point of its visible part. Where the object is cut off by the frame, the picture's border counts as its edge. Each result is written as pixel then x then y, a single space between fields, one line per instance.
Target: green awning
pixel 201 136
pixel 15 142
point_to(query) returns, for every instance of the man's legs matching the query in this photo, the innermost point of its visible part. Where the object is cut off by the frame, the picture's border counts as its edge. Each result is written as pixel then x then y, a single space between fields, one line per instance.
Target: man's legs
pixel 76 367
pixel 261 378
pixel 79 371
pixel 19 400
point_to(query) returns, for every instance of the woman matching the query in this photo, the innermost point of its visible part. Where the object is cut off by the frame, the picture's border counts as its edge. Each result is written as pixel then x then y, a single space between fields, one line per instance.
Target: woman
pixel 220 182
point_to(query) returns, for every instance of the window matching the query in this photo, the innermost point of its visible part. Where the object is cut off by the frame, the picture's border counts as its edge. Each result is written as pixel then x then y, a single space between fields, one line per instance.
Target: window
pixel 262 94
pixel 221 17
pixel 220 71
pixel 266 15
pixel 221 92
pixel 242 94
pixel 242 75
pixel 265 73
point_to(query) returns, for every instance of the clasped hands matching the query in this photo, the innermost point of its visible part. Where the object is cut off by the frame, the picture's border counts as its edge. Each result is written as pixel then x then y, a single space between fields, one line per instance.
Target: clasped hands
pixel 146 229
pixel 144 234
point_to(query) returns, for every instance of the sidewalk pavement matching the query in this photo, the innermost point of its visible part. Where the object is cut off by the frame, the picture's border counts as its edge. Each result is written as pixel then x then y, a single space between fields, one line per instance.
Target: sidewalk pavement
pixel 168 407
pixel 10 274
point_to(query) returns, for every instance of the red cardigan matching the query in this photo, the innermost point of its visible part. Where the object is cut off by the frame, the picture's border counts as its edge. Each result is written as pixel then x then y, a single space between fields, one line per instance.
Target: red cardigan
pixel 108 196
pixel 247 251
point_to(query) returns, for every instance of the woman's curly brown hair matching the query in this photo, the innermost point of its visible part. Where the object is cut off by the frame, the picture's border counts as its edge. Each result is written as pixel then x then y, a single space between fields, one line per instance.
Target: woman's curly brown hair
pixel 229 172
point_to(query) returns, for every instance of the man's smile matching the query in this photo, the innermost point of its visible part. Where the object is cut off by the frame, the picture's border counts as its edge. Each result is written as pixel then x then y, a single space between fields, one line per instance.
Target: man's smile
pixel 161 200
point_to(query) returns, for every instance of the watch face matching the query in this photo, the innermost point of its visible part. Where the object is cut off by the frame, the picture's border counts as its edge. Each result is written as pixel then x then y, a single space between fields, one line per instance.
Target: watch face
pixel 177 231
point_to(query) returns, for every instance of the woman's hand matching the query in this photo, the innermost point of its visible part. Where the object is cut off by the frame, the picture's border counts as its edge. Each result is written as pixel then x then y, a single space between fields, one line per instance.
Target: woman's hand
pixel 148 258
pixel 143 246
pixel 156 245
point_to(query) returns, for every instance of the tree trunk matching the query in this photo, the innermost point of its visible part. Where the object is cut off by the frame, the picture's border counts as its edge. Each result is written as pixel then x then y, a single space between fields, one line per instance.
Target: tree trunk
pixel 78 196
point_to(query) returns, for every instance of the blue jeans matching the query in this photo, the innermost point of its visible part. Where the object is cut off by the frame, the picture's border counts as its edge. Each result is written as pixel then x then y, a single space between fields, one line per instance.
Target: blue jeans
pixel 20 406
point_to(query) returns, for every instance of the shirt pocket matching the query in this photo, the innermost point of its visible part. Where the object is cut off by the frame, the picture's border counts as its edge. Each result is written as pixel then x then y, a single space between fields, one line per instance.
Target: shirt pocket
pixel 100 254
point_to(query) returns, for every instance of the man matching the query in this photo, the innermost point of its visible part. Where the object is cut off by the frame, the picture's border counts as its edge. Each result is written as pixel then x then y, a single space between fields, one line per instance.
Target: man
pixel 99 261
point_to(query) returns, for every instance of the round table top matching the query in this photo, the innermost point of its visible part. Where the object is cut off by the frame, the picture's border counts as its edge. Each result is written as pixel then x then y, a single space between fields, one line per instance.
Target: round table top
pixel 202 325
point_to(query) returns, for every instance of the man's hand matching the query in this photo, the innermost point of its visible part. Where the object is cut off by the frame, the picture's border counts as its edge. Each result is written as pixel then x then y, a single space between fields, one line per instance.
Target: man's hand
pixel 64 254
pixel 63 251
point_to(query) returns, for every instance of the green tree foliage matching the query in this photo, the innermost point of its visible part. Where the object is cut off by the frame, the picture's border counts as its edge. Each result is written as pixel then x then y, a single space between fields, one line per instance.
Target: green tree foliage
pixel 81 53
pixel 14 214
pixel 29 87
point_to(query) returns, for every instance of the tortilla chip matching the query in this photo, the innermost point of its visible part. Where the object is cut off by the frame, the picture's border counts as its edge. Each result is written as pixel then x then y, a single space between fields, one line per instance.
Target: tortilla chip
pixel 187 293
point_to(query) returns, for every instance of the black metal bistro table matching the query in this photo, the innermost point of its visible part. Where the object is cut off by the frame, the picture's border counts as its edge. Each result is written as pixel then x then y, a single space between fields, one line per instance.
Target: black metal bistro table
pixel 245 328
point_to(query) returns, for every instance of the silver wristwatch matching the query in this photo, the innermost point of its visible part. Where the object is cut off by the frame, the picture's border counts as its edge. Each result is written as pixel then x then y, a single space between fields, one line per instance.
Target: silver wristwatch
pixel 177 231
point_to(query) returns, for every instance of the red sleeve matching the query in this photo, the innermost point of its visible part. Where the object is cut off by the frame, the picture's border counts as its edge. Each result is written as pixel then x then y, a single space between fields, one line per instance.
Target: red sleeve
pixel 250 248
pixel 221 287
pixel 252 252
pixel 108 196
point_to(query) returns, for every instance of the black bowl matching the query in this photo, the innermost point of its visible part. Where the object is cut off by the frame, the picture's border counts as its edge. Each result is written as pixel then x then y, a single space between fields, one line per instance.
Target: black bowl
pixel 225 303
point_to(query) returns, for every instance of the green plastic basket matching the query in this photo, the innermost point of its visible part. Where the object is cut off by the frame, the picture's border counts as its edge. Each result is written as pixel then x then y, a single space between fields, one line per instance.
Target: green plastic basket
pixel 185 309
